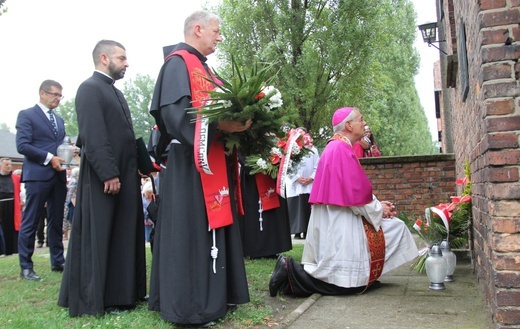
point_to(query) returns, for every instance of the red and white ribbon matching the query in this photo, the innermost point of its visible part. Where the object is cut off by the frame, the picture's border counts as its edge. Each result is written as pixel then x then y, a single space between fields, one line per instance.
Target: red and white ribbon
pixel 294 134
pixel 202 145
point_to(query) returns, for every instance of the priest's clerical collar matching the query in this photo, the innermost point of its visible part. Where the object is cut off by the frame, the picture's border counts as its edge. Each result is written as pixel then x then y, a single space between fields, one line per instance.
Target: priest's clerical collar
pixel 192 50
pixel 108 76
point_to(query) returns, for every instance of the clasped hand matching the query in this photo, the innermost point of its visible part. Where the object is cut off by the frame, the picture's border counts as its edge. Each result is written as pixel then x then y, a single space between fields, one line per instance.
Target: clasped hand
pixel 388 209
pixel 112 186
pixel 234 126
pixel 304 181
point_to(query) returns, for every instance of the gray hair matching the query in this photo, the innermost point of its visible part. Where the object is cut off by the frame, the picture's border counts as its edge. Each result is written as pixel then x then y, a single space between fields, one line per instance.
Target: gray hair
pixel 199 17
pixel 50 83
pixel 105 47
pixel 340 126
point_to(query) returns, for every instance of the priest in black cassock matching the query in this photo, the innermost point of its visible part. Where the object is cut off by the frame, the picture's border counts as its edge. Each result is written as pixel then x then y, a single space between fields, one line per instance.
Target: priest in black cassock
pixel 198 270
pixel 265 227
pixel 105 268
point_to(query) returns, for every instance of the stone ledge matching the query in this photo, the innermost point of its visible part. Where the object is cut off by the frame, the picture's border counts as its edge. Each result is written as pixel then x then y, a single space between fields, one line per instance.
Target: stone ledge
pixel 408 159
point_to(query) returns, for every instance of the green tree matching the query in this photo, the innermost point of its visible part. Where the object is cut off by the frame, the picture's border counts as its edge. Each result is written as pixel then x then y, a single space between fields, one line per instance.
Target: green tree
pixel 3 9
pixel 67 111
pixel 138 94
pixel 329 54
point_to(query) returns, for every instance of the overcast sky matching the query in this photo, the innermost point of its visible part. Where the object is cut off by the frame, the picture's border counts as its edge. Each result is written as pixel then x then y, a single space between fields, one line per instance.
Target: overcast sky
pixel 53 39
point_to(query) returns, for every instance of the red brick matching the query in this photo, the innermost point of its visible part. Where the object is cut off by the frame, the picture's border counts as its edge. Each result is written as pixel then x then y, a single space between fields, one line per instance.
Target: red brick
pixel 501 89
pixel 506 243
pixel 507 279
pixel 516 33
pixel 501 174
pixel 514 3
pixel 505 209
pixel 505 191
pixel 503 123
pixel 503 157
pixel 508 298
pixel 492 4
pixel 506 225
pixel 508 316
pixel 499 107
pixel 500 53
pixel 501 141
pixel 491 37
pixel 497 71
pixel 502 17
pixel 507 262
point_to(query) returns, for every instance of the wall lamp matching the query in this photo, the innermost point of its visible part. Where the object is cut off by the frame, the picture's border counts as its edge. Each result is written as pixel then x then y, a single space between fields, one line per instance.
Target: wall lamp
pixel 429 35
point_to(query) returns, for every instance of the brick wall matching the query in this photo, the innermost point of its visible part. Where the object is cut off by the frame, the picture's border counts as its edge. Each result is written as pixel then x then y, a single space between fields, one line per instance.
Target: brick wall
pixel 486 129
pixel 413 183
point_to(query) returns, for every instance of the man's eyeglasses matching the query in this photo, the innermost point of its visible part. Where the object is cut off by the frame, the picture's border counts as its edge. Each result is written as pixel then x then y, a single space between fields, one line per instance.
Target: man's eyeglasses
pixel 60 96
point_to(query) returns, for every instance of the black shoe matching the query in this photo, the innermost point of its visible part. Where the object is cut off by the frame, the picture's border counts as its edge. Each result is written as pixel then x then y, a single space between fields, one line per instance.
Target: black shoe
pixel 119 309
pixel 58 268
pixel 29 274
pixel 298 236
pixel 115 310
pixel 279 276
pixel 40 245
pixel 231 308
pixel 207 324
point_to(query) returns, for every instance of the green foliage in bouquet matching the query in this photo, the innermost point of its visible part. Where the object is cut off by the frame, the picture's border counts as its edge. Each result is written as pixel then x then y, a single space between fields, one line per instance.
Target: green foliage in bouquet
pixel 433 230
pixel 240 97
pixel 428 233
pixel 269 163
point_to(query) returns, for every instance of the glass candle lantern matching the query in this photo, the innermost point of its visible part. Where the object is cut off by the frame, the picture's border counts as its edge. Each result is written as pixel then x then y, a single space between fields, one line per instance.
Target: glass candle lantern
pixel 66 152
pixel 451 260
pixel 436 268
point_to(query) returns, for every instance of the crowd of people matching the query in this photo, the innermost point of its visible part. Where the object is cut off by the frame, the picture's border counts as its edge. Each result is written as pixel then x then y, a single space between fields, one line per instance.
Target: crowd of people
pixel 200 238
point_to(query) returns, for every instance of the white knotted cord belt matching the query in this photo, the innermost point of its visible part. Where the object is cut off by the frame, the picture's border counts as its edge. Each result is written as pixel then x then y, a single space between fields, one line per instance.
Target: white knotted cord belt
pixel 214 252
pixel 260 211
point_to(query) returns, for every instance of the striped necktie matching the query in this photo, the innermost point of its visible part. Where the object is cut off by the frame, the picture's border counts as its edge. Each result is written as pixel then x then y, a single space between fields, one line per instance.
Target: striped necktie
pixel 53 122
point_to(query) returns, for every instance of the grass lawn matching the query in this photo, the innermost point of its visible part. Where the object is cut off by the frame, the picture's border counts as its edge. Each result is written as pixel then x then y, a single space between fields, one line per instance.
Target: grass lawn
pixel 27 304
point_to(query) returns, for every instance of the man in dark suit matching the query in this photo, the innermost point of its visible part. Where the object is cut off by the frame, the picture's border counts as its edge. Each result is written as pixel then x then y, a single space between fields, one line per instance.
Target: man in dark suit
pixel 39 132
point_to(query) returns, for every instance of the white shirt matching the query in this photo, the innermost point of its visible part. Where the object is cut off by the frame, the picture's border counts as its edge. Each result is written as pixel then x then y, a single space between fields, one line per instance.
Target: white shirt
pixel 46 112
pixel 306 168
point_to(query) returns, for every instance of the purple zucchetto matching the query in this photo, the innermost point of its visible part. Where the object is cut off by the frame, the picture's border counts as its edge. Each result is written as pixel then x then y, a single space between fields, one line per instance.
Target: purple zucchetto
pixel 341 114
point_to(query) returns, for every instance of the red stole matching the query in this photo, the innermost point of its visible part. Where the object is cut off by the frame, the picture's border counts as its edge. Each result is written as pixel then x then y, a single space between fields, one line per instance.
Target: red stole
pixel 213 172
pixel 17 205
pixel 376 245
pixel 266 187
